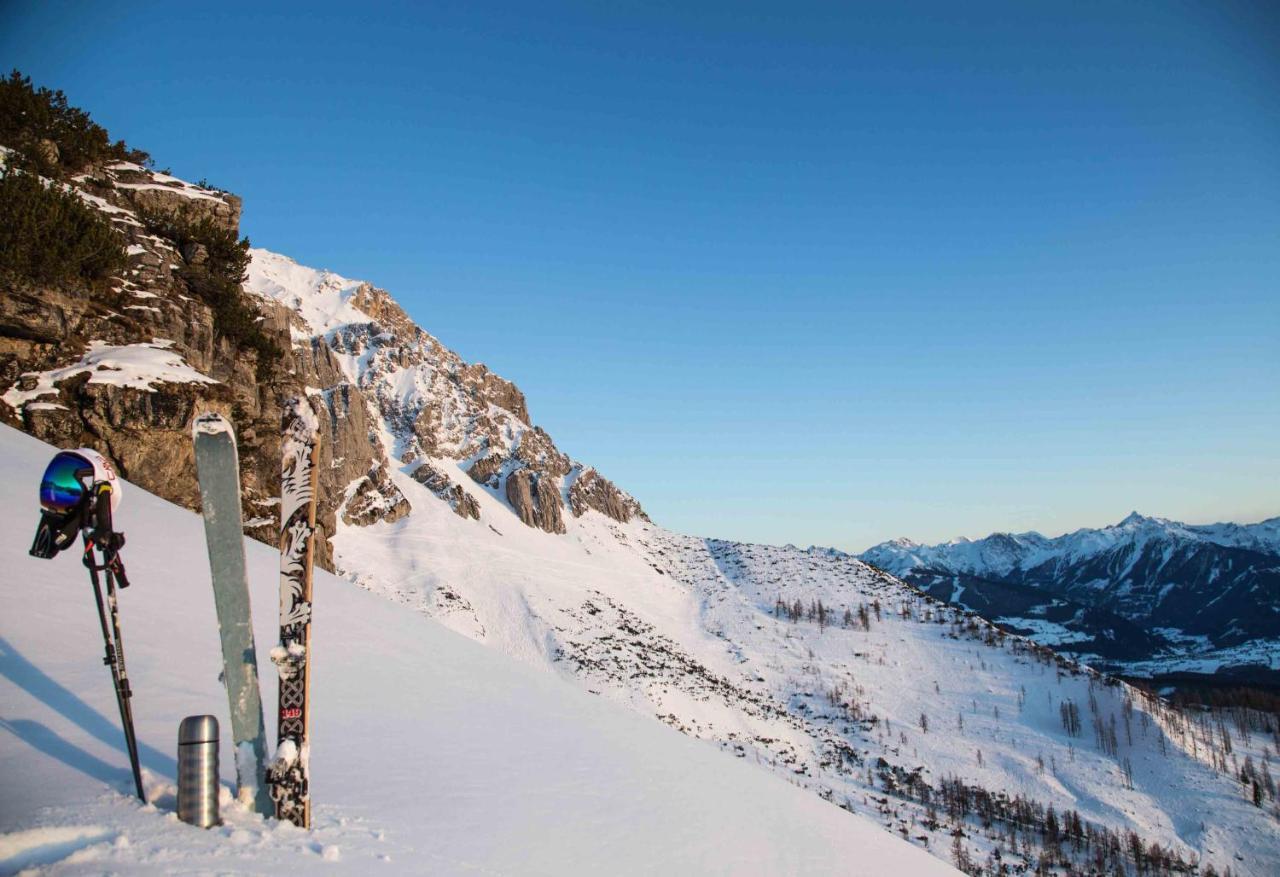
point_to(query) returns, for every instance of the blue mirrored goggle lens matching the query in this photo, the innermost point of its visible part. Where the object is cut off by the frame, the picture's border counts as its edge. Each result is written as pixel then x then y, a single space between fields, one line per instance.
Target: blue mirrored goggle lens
pixel 61 489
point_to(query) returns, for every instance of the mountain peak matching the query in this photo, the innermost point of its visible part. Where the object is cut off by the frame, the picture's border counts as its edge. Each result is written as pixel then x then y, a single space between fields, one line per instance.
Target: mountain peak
pixel 1133 519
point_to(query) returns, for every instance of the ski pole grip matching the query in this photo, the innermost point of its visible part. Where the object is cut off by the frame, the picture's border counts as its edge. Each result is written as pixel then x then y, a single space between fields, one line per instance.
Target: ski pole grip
pixel 102 515
pixel 117 569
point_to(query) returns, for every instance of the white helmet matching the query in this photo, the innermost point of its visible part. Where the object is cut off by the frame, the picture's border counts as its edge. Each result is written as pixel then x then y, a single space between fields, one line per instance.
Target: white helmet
pixel 104 471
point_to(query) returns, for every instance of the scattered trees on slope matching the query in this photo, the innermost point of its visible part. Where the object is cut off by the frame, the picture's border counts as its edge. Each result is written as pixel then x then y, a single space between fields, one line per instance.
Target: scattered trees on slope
pixel 49 237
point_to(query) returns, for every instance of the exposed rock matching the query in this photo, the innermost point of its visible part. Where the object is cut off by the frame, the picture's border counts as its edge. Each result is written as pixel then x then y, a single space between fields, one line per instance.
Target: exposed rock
pixel 537 451
pixel 466 506
pixel 590 490
pixel 144 192
pixel 38 314
pixel 194 253
pixel 147 433
pixel 487 387
pixel 375 498
pixel 462 503
pixel 379 305
pixel 535 500
pixel 486 470
pixel 548 500
pixel 48 152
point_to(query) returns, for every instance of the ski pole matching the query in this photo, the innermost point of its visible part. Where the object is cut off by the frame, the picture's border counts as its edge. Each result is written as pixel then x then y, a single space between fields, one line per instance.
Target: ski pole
pixel 79 492
pixel 114 644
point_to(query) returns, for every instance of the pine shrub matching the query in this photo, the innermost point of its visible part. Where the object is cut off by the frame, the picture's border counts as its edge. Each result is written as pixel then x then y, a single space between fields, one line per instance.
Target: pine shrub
pixel 31 118
pixel 217 279
pixel 49 237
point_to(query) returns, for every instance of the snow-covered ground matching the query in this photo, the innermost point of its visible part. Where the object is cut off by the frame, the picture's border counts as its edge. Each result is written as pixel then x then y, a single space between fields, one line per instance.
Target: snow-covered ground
pixel 886 719
pixel 432 754
pixel 139 366
pixel 684 629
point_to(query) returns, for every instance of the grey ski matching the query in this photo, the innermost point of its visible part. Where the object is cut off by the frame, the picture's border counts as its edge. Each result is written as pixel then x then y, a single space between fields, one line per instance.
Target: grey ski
pixel 218 468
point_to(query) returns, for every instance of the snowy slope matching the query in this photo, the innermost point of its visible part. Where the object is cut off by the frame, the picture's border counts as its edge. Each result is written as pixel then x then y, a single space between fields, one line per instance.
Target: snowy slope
pixel 431 755
pixel 698 647
pixel 685 630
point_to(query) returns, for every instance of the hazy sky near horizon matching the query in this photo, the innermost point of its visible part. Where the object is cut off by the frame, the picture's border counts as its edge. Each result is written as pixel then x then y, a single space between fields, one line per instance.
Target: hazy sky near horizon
pixel 809 273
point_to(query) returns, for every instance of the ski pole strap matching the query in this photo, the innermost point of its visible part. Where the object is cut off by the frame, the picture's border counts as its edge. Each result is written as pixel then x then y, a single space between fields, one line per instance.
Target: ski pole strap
pixel 112 564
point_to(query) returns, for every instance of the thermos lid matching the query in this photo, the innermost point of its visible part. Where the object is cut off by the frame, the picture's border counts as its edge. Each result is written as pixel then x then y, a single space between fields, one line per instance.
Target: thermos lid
pixel 198 729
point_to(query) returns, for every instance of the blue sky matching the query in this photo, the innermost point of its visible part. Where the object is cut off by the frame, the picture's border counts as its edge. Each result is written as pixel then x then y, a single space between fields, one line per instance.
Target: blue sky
pixel 815 273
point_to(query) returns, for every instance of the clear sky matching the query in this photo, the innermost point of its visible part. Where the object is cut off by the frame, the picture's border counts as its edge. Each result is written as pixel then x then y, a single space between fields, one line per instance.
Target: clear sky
pixel 809 273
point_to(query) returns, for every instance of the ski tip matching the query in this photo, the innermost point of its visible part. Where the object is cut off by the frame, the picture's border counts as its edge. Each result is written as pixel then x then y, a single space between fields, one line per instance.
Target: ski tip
pixel 300 419
pixel 211 423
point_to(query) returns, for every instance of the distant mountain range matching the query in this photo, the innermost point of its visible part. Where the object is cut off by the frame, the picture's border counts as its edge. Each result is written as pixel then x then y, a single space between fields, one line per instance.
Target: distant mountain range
pixel 1146 596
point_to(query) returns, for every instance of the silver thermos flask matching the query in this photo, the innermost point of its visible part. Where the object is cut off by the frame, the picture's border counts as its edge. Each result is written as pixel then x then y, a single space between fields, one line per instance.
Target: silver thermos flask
pixel 198 771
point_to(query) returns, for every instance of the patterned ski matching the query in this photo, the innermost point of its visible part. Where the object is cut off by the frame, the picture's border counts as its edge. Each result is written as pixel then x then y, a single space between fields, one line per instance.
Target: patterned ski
pixel 218 468
pixel 289 772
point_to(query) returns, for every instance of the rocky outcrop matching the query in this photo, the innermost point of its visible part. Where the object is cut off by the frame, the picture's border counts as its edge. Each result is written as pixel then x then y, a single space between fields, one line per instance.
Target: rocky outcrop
pixel 374 498
pixel 590 490
pixel 535 498
pixel 462 503
pixel 488 470
pixel 147 192
pixel 145 428
pixel 369 372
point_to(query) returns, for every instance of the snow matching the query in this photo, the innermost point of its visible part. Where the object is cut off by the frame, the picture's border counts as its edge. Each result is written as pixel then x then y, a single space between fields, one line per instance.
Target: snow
pixel 246 769
pixel 211 424
pixel 321 298
pixel 139 366
pixel 306 422
pixel 1045 631
pixel 592 607
pixel 286 754
pixel 170 184
pixel 431 753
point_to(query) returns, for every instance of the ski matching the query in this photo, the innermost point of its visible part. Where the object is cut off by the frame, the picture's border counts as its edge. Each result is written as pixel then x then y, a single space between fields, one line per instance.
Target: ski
pixel 218 470
pixel 290 776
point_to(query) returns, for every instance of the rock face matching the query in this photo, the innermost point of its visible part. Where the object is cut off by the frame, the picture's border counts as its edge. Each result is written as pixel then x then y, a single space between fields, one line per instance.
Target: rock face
pixel 535 499
pixel 140 415
pixel 374 498
pixel 389 396
pixel 441 417
pixel 591 490
pixel 463 503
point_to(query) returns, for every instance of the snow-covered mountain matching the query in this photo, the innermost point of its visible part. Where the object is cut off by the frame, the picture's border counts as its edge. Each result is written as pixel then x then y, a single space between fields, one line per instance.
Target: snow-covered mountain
pixel 808 663
pixel 430 754
pixel 1148 595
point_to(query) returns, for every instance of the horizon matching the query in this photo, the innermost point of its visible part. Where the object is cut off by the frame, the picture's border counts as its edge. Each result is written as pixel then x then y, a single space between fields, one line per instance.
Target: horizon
pixel 1058 535
pixel 1056 268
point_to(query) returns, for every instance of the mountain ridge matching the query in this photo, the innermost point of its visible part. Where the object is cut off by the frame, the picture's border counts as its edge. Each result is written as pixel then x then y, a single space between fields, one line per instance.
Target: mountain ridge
pixel 1127 596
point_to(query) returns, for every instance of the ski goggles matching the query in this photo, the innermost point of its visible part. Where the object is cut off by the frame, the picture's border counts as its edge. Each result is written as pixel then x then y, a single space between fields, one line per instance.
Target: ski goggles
pixel 63 489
